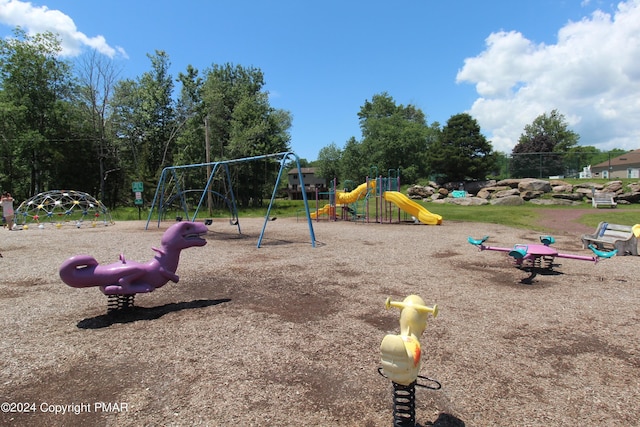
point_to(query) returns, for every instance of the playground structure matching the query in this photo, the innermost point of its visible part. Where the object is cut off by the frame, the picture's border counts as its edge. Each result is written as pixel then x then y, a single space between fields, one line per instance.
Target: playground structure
pixel 173 195
pixel 376 200
pixel 122 280
pixel 62 207
pixel 538 258
pixel 401 357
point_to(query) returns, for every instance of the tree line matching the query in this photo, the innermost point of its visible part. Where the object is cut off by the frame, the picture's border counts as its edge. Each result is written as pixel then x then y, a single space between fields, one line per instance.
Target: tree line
pixel 79 126
pixel 398 138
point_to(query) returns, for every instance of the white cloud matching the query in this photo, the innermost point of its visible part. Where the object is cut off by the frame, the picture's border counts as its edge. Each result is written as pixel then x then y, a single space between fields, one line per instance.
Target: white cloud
pixel 591 75
pixel 34 19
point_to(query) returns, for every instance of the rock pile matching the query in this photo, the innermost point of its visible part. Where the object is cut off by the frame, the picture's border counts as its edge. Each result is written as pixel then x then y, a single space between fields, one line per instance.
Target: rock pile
pixel 519 191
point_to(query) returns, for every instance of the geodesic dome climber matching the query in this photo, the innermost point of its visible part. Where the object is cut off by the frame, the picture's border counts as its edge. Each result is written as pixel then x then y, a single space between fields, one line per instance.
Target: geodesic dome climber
pixel 62 207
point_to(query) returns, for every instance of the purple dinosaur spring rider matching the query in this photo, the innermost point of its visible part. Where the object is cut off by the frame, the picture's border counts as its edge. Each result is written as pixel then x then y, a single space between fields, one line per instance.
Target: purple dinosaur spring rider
pixel 121 281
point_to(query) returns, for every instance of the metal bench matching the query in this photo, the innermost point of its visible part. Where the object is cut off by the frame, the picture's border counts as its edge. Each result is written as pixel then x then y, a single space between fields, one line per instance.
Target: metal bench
pixel 613 236
pixel 603 200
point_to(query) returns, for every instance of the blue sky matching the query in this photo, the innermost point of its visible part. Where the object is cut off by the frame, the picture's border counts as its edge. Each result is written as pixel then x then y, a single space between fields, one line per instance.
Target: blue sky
pixel 503 62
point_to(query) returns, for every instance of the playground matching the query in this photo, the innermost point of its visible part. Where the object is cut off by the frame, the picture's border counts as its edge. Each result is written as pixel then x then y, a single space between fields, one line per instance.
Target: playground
pixel 377 200
pixel 289 334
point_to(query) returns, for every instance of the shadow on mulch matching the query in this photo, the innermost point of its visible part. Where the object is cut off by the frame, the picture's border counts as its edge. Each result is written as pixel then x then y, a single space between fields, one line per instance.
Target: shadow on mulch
pixel 134 314
pixel 445 420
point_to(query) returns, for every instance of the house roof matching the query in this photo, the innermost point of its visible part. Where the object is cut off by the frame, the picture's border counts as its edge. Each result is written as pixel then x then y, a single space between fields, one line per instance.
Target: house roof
pixel 303 170
pixel 632 158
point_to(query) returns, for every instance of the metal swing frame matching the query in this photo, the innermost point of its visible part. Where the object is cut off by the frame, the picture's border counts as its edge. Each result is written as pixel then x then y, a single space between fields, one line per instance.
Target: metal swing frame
pixel 170 172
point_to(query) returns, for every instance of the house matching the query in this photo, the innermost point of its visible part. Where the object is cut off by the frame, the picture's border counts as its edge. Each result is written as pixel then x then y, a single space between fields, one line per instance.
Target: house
pixel 311 184
pixel 624 166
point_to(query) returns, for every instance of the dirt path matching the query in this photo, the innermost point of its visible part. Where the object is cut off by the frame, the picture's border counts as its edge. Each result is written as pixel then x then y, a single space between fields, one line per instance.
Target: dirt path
pixel 565 221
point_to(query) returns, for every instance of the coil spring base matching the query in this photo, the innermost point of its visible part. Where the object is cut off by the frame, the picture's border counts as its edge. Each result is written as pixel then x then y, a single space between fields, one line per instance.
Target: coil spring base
pixel 541 265
pixel 119 303
pixel 404 405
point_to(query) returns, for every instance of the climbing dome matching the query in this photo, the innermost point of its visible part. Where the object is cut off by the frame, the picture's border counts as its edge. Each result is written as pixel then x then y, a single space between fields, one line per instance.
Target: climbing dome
pixel 59 207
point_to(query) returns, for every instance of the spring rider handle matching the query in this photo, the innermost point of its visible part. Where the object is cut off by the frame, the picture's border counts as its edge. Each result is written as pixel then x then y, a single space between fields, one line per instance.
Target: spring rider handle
pixel 397 304
pixel 401 356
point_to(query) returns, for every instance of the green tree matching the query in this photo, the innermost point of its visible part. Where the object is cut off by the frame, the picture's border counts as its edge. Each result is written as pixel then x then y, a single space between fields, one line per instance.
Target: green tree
pixel 354 166
pixel 192 110
pixel 128 128
pixel 144 121
pixel 225 87
pixel 97 78
pixel 158 109
pixel 394 136
pixel 539 151
pixel 461 152
pixel 36 117
pixel 502 166
pixel 328 163
pixel 555 129
pixel 536 158
pixel 241 123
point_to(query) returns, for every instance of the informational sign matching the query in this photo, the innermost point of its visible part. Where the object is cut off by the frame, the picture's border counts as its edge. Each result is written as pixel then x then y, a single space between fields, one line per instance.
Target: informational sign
pixel 137 187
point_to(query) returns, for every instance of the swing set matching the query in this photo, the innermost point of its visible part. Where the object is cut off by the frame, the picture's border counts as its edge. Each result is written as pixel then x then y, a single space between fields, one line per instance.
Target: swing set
pixel 172 194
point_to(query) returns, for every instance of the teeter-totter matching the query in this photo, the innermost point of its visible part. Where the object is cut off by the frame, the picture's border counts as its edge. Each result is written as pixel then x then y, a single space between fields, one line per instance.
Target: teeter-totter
pixel 538 258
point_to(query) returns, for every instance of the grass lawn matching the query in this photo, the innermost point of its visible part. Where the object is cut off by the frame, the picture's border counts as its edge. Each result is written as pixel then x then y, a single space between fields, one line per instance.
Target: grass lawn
pixel 513 216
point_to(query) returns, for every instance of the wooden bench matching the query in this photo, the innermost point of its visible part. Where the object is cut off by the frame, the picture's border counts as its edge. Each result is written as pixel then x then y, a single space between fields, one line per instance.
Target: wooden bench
pixel 603 200
pixel 613 236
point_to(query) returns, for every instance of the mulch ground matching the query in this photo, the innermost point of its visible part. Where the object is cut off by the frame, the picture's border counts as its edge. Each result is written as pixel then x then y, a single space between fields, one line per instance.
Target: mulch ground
pixel 289 334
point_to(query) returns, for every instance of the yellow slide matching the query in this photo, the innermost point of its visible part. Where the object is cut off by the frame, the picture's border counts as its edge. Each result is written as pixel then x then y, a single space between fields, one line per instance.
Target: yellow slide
pixel 325 210
pixel 345 198
pixel 358 193
pixel 412 208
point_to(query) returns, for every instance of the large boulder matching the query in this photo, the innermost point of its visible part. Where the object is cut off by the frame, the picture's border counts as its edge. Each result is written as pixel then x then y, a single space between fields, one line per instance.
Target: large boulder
pixel 563 188
pixel 510 182
pixel 420 192
pixel 527 190
pixel 505 193
pixel 576 197
pixel 584 192
pixel 508 201
pixel 487 192
pixel 474 187
pixel 628 197
pixel 634 187
pixel 590 185
pixel 531 194
pixel 532 184
pixel 613 187
pixel 467 201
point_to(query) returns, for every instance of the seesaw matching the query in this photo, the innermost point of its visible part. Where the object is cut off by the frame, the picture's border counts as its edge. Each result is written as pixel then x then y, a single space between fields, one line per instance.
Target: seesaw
pixel 537 258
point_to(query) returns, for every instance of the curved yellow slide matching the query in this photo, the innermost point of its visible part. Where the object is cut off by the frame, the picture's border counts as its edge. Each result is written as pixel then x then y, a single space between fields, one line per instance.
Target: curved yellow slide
pixel 358 193
pixel 345 198
pixel 412 208
pixel 325 210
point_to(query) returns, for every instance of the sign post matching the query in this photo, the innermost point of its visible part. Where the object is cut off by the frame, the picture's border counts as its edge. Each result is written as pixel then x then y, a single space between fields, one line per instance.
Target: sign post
pixel 138 187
